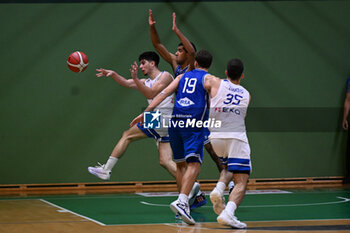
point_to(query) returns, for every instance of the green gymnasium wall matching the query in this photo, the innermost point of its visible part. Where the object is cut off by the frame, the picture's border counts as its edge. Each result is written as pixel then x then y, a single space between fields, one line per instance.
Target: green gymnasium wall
pixel 55 123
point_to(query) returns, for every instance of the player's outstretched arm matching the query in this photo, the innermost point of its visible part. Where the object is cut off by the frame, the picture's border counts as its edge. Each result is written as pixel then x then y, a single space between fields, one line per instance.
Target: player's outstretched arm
pixel 163 81
pixel 158 99
pixel 157 44
pixel 163 94
pixel 187 44
pixel 129 83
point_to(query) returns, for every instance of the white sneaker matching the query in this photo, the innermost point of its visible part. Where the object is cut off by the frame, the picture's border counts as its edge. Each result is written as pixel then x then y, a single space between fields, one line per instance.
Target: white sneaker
pixel 226 219
pixel 100 172
pixel 183 210
pixel 218 201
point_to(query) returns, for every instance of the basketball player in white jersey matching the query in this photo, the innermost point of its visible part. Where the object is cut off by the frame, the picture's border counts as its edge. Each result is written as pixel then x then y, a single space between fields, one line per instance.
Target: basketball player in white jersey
pixel 156 82
pixel 229 103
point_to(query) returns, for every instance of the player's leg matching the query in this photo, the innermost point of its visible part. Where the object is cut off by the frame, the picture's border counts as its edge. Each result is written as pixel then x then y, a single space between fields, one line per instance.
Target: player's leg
pixel 217 194
pixel 191 152
pixel 214 156
pixel 181 206
pixel 347 175
pixel 240 188
pixel 165 158
pixel 209 148
pixel 103 171
pixel 200 200
pixel 227 216
pixel 192 196
pixel 239 164
pixel 189 177
pixel 180 171
pixel 128 136
pixel 196 196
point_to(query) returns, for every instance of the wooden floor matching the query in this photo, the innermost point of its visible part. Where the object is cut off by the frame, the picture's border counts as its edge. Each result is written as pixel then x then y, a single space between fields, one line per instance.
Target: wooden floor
pixel 36 216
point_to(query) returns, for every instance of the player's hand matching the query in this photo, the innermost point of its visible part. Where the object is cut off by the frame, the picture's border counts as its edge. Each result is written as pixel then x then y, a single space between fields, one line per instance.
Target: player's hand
pixel 136 120
pixel 151 20
pixel 133 70
pixel 345 125
pixel 103 72
pixel 175 28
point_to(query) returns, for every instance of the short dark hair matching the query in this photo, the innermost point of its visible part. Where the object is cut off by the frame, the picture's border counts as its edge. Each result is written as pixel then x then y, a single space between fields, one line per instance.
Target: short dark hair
pixel 181 44
pixel 150 56
pixel 204 59
pixel 234 68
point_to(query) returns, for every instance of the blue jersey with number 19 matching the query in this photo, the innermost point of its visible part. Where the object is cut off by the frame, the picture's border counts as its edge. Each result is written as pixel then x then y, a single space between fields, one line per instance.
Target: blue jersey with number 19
pixel 191 98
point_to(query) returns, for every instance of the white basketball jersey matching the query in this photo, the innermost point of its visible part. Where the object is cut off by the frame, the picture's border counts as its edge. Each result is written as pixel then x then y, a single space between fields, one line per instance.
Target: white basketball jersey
pixel 230 107
pixel 167 105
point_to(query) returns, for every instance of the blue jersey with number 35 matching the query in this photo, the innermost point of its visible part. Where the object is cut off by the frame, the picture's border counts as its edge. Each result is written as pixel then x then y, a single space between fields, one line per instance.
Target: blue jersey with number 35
pixel 191 98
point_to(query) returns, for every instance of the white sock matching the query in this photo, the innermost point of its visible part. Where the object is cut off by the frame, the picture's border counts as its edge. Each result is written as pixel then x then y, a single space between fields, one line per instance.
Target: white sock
pixel 183 198
pixel 231 207
pixel 110 163
pixel 220 187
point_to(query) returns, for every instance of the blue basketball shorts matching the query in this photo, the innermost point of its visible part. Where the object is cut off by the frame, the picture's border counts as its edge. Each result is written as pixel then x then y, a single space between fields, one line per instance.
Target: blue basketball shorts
pixel 187 145
pixel 158 135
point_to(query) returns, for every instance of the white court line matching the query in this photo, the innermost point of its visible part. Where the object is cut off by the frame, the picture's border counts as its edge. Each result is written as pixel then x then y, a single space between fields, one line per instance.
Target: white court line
pixel 197 226
pixel 262 206
pixel 73 197
pixel 65 210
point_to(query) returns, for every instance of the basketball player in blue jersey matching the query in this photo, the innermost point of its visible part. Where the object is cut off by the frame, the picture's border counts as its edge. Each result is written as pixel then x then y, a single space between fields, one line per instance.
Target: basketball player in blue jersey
pixel 181 62
pixel 186 139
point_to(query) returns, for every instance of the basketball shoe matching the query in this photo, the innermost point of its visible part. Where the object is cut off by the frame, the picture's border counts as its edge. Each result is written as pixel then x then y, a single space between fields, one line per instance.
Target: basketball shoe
pixel 230 220
pixel 218 201
pixel 100 172
pixel 199 201
pixel 183 210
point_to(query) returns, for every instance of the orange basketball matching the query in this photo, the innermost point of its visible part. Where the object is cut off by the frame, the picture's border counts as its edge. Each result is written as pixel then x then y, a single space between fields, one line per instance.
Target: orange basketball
pixel 77 61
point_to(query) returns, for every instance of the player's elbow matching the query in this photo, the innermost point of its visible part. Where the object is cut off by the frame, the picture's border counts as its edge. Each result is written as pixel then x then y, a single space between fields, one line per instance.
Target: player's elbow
pixel 158 47
pixel 128 85
pixel 132 85
pixel 192 52
pixel 150 95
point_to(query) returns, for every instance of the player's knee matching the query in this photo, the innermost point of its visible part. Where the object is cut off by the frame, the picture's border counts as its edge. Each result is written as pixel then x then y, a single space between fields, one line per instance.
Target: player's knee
pixel 163 162
pixel 181 165
pixel 241 184
pixel 239 188
pixel 128 136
